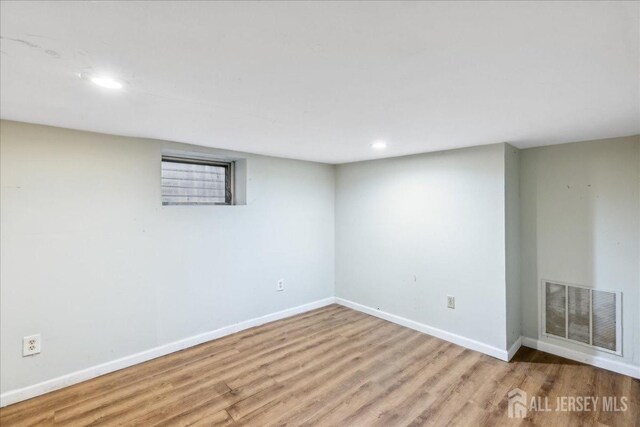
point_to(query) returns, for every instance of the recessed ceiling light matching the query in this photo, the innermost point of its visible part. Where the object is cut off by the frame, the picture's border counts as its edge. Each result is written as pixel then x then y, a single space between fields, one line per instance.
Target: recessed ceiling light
pixel 106 82
pixel 379 145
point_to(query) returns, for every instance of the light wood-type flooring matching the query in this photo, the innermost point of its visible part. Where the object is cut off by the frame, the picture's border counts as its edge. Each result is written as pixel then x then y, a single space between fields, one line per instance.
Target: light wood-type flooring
pixel 330 367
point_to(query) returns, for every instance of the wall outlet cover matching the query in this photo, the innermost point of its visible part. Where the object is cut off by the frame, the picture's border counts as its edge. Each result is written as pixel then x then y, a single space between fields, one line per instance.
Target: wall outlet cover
pixel 31 345
pixel 451 301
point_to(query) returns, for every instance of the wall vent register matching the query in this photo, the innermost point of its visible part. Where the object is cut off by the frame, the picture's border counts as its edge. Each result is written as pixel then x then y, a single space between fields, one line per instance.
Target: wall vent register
pixel 195 181
pixel 582 315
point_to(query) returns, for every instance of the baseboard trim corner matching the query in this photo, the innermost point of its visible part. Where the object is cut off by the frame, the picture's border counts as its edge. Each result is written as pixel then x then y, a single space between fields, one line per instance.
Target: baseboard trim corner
pixel 597 361
pixel 429 330
pixel 28 392
pixel 514 348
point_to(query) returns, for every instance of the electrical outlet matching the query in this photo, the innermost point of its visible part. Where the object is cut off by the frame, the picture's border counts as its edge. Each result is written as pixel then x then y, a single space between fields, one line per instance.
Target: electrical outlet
pixel 31 345
pixel 280 285
pixel 451 302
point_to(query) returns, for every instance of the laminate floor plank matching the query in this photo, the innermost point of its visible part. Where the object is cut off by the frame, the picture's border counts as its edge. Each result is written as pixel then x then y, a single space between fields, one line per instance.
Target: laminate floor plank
pixel 332 367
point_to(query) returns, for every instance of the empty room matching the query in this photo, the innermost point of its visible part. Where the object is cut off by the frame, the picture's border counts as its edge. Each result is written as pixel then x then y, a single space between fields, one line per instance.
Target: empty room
pixel 319 213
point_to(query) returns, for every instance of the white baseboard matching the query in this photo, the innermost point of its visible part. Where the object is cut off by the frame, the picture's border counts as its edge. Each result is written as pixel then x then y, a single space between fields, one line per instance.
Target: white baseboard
pixel 28 392
pixel 429 330
pixel 578 356
pixel 514 348
pixel 34 390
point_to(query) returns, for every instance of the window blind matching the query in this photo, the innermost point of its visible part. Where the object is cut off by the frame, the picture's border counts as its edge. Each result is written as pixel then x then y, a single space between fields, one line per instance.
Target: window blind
pixel 195 182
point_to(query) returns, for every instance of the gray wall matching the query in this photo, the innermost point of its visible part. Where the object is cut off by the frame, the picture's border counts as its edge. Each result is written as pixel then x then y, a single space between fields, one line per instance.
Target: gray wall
pixel 94 262
pixel 412 230
pixel 581 225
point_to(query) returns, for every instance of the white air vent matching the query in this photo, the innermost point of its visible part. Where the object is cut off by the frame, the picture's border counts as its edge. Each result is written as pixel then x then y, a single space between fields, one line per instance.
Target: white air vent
pixel 582 315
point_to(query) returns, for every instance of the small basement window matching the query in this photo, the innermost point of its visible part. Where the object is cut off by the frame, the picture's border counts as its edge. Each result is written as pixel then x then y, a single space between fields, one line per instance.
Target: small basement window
pixel 195 181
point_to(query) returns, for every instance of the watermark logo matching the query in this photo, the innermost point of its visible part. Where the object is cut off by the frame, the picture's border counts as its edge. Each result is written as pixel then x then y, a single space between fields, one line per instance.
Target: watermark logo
pixel 517 403
pixel 520 404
